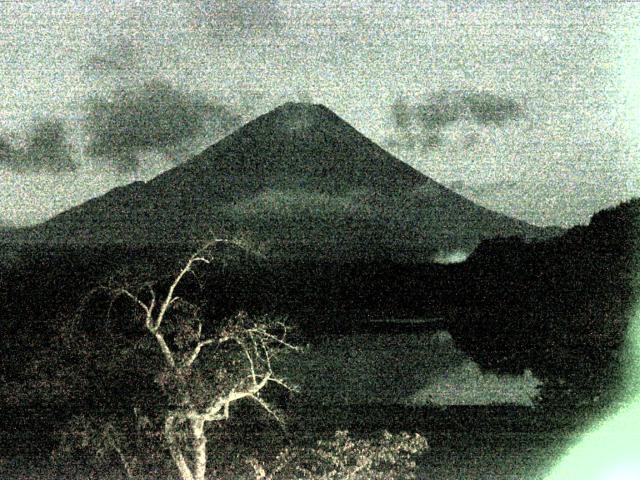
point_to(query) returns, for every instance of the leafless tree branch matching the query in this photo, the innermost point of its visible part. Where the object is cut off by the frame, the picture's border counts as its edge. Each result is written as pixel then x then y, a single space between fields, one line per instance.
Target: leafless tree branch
pixel 196 352
pixel 257 342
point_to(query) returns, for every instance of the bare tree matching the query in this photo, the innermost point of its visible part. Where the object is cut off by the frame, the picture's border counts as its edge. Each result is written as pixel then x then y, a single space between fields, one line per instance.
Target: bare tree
pixel 206 367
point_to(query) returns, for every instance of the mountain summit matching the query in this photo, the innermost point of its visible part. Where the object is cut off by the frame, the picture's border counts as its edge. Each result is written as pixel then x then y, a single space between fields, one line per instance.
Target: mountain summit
pixel 296 146
pixel 298 179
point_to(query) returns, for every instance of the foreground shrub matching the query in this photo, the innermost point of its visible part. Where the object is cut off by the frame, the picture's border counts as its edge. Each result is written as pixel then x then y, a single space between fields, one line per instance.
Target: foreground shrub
pixel 385 457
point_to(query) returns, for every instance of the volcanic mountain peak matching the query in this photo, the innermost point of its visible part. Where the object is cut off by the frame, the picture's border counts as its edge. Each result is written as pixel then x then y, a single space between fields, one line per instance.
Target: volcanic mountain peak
pixel 307 107
pixel 302 110
pixel 298 178
pixel 297 118
pixel 295 146
pixel 296 121
pixel 293 117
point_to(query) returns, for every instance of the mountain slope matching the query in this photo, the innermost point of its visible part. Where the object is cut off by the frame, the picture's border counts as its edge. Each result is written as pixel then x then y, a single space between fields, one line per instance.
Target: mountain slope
pixel 298 179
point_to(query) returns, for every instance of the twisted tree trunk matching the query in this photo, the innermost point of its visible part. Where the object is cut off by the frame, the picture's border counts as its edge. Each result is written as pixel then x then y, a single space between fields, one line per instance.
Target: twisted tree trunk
pixel 199 447
pixel 175 450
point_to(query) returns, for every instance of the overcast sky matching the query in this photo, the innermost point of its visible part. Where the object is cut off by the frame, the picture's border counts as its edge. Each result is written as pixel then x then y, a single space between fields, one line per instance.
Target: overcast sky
pixel 566 76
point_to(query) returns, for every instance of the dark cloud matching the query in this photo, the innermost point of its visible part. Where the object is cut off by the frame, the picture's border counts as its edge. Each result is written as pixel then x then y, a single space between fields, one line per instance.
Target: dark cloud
pixel 494 187
pixel 154 116
pixel 401 113
pixel 420 124
pixel 10 156
pixel 489 108
pixel 47 149
pixel 439 110
pixel 121 56
pixel 245 17
pixel 486 188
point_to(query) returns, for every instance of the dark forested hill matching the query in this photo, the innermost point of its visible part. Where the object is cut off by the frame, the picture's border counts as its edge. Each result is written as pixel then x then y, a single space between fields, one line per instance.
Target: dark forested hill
pixel 560 307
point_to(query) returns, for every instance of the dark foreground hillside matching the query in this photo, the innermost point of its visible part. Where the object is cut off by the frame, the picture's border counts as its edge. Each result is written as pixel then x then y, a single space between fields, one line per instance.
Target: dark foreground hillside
pixel 557 307
pixel 464 442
